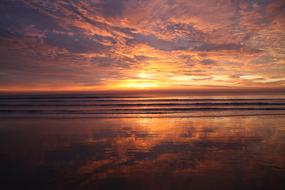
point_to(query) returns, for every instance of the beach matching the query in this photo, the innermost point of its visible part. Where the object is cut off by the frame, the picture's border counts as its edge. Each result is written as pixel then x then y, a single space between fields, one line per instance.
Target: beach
pixel 197 149
pixel 142 95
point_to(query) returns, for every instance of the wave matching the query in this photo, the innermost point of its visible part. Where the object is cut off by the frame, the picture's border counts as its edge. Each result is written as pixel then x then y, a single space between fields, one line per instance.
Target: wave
pixel 150 115
pixel 147 104
pixel 144 110
pixel 99 106
pixel 126 99
pixel 12 97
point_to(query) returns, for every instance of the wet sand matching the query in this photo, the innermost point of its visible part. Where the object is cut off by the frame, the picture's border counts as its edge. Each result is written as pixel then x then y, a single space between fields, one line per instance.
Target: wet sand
pixel 143 153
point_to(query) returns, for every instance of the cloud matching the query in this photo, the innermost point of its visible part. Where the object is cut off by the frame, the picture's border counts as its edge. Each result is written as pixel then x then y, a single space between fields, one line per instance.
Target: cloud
pixel 108 42
pixel 76 43
pixel 208 61
pixel 110 8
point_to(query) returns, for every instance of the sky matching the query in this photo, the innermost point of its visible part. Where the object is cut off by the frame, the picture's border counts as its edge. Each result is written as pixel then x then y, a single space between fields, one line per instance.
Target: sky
pixel 141 44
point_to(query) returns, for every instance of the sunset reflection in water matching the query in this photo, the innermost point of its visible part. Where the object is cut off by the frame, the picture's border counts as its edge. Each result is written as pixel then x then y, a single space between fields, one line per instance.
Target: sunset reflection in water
pixel 144 153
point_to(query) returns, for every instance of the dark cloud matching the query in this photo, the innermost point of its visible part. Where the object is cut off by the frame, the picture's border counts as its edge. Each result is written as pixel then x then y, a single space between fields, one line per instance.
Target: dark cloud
pixel 76 43
pixel 208 61
pixel 266 59
pixel 217 47
pixel 124 62
pixel 153 41
pixel 72 41
pixel 184 31
pixel 16 15
pixel 110 8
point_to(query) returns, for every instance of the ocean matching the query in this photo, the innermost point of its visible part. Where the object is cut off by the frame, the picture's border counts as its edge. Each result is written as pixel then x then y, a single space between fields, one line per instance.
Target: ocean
pixel 109 106
pixel 106 142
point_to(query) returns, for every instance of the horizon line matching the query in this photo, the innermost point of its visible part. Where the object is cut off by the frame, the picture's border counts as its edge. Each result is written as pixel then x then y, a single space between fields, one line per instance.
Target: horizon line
pixel 232 90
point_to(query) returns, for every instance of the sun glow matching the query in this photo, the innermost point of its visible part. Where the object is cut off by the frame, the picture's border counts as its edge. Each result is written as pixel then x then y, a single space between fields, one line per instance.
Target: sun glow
pixel 142 80
pixel 138 84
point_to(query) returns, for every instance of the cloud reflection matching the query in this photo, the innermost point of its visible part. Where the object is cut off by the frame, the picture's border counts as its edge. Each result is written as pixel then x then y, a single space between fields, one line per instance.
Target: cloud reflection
pixel 133 152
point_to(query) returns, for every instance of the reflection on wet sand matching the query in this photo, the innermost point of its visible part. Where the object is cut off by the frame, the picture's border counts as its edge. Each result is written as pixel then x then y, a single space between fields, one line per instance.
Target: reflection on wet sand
pixel 144 153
